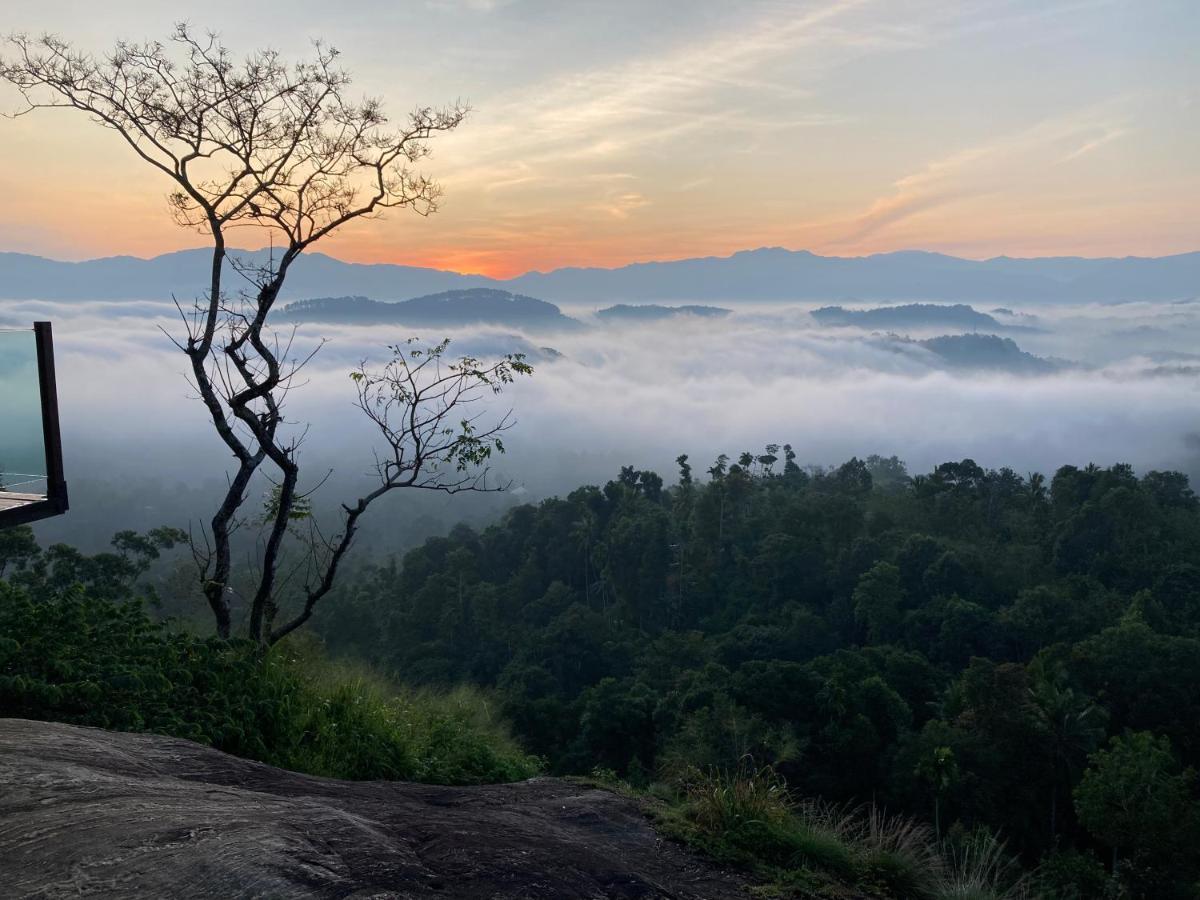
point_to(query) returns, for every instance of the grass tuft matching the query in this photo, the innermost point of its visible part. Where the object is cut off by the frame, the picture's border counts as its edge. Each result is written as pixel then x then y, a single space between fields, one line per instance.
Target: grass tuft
pixel 814 849
pixel 899 855
pixel 980 868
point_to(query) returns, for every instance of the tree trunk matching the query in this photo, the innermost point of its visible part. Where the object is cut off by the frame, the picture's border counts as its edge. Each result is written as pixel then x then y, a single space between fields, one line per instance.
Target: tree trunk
pixel 1053 811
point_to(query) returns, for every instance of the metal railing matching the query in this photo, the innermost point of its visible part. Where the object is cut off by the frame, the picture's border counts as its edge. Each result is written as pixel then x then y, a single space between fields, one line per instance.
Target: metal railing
pixel 54 499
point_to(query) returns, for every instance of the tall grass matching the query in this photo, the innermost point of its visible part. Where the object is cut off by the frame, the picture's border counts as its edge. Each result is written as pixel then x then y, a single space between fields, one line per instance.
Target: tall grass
pixel 980 868
pixel 748 815
pixel 898 855
pixel 751 812
pixel 353 723
pixel 76 658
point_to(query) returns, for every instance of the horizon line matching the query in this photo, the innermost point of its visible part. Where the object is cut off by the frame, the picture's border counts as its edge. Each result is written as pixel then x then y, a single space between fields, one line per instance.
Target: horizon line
pixel 680 259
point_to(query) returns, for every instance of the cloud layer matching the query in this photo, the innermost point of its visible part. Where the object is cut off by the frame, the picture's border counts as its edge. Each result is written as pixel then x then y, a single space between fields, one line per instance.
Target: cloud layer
pixel 642 394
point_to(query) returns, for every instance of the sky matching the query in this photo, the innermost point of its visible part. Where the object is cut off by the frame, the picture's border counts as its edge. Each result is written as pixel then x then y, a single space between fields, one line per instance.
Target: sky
pixel 616 131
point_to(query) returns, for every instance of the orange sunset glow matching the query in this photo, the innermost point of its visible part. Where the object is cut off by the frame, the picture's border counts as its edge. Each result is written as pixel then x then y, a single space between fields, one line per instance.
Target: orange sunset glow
pixel 845 128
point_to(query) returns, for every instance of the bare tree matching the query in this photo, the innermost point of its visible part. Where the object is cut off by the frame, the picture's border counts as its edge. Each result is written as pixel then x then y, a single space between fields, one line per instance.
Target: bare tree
pixel 282 148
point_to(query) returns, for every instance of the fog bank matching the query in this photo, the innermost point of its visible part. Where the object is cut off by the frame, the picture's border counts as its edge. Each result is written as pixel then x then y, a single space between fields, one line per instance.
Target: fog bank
pixel 136 440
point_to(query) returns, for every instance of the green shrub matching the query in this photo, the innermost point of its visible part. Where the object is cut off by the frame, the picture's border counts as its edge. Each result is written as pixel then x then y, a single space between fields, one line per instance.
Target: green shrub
pixel 1073 875
pixel 72 657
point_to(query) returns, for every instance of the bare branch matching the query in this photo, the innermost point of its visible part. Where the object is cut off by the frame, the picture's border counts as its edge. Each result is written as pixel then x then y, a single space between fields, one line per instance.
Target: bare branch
pixel 280 147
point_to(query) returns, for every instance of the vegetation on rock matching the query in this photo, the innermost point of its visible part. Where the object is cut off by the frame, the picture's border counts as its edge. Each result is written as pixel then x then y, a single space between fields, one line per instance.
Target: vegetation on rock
pixel 76 648
pixel 960 646
pixel 1006 665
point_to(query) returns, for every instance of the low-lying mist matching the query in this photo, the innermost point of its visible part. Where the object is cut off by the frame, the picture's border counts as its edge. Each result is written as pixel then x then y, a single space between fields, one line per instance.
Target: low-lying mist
pixel 1120 385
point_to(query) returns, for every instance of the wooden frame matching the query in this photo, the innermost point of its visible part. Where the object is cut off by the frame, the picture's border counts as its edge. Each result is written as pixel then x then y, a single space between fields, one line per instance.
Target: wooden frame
pixel 54 502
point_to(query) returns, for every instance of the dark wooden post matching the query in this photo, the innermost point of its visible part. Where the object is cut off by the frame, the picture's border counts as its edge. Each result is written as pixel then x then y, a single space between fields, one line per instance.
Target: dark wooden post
pixel 56 484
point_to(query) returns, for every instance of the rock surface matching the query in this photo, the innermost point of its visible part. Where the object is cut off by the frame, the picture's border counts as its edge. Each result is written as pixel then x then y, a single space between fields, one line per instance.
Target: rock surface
pixel 92 813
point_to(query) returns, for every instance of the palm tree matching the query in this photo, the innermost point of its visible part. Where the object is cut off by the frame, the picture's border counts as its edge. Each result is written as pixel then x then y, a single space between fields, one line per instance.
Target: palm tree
pixel 581 535
pixel 1075 726
pixel 1037 487
pixel 939 769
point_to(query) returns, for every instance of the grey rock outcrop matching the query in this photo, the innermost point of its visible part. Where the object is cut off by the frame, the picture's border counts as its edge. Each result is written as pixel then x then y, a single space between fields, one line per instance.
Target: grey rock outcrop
pixel 92 813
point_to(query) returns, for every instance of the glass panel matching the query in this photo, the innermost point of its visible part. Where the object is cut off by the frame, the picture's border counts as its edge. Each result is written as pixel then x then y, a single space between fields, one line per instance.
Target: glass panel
pixel 22 448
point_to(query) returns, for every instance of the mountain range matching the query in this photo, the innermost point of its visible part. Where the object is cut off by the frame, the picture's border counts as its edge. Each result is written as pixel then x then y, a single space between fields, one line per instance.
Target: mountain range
pixel 460 307
pixel 766 274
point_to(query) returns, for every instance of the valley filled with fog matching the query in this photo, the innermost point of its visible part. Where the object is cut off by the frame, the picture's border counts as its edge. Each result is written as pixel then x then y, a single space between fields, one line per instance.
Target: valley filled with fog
pixel 1078 383
pixel 484 448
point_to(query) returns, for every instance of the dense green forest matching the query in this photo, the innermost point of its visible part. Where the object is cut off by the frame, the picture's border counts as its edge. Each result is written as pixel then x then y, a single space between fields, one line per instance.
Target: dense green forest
pixel 1012 662
pixel 973 647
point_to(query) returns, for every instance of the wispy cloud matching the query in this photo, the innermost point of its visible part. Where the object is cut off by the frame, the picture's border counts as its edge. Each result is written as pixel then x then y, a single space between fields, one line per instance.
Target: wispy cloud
pixel 484 6
pixel 621 205
pixel 1004 163
pixel 1111 135
pixel 707 85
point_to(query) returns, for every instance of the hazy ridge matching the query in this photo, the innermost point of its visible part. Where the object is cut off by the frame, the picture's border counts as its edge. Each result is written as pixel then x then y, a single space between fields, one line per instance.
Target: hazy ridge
pixel 763 274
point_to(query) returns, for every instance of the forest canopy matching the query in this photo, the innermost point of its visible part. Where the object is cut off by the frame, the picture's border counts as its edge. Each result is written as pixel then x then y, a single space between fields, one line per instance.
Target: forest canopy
pixel 975 647
pixel 989 653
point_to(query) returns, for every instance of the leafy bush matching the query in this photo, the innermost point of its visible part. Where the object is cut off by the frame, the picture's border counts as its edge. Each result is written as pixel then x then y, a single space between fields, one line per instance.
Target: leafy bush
pixel 69 656
pixel 1074 875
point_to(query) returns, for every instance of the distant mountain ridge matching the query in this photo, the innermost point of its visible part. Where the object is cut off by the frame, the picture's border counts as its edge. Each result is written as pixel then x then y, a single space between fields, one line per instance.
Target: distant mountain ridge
pixel 458 307
pixel 652 312
pixel 778 274
pixel 766 274
pixel 915 315
pixel 982 352
pixel 184 274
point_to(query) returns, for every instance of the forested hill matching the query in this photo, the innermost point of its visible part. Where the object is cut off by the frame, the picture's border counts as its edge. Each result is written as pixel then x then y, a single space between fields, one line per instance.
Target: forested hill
pixel 652 312
pixel 448 308
pixel 916 315
pixel 975 647
pixel 988 351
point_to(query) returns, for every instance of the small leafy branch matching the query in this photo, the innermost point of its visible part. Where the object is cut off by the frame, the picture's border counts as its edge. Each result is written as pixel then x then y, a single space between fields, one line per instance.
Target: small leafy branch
pixel 416 402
